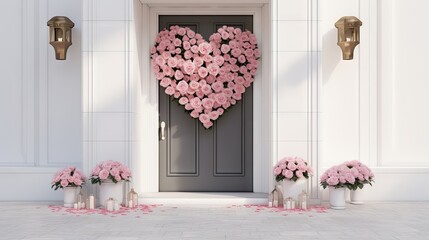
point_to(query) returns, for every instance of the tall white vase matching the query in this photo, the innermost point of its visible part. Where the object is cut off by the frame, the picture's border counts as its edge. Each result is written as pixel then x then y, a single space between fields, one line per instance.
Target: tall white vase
pixel 111 190
pixel 293 189
pixel 356 196
pixel 70 194
pixel 337 198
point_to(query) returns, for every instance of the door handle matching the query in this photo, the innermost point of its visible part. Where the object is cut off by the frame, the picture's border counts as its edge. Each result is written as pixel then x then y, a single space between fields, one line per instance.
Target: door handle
pixel 162 130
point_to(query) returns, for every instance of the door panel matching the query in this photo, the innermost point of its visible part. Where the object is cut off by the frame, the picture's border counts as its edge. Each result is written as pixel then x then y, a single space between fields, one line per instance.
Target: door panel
pixel 193 158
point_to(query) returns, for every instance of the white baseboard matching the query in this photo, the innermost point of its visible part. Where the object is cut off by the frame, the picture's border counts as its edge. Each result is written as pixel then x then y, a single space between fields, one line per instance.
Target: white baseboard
pixel 395 184
pixel 28 184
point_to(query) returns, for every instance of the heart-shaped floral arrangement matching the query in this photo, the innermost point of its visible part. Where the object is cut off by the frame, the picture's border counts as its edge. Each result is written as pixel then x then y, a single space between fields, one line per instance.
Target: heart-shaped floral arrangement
pixel 205 77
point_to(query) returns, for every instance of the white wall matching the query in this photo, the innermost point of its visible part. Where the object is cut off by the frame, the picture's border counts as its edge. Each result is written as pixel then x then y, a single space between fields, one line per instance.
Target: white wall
pixel 108 51
pixel 374 106
pixel 296 82
pixel 40 99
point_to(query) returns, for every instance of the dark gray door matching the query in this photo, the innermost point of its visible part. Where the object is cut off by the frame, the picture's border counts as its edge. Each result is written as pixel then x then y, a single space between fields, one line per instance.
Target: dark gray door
pixel 193 158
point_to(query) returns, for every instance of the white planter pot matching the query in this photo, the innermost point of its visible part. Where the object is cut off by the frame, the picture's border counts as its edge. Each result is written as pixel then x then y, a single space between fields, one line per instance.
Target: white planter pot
pixel 293 189
pixel 70 194
pixel 337 198
pixel 111 190
pixel 356 196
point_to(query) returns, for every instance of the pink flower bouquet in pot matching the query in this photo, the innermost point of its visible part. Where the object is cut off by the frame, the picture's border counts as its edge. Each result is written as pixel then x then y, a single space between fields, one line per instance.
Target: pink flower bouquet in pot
pixel 110 171
pixel 110 175
pixel 68 177
pixel 351 175
pixel 292 168
pixel 293 172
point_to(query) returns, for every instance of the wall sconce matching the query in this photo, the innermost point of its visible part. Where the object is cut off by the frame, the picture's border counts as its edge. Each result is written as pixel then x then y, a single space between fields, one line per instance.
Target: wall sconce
pixel 60 36
pixel 348 35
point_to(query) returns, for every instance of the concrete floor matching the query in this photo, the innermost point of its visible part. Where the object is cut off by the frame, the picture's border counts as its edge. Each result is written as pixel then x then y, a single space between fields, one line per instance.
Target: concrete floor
pixel 384 221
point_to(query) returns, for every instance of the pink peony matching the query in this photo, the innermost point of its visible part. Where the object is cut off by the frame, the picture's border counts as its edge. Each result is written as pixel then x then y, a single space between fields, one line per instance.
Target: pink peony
pixel 277 171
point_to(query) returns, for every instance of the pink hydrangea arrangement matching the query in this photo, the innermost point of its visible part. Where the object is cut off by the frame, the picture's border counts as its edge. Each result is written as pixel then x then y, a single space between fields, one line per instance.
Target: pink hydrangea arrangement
pixel 110 171
pixel 292 168
pixel 68 177
pixel 352 175
pixel 206 78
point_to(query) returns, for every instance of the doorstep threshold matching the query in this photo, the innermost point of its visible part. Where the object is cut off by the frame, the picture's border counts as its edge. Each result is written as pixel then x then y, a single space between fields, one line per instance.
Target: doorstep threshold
pixel 212 198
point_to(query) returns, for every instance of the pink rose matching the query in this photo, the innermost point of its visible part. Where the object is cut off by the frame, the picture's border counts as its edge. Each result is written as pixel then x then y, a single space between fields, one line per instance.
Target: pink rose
pixel 204 118
pixel 195 102
pixel 277 171
pixel 207 103
pixel 177 42
pixel 213 69
pixel 178 75
pixel 224 35
pixel 188 54
pixel 221 98
pixel 103 174
pixel 217 86
pixel 172 62
pixel 225 48
pixel 238 88
pixel 220 111
pixel 160 60
pixel 169 91
pixel 181 31
pixel 64 183
pixel 203 72
pixel 194 85
pixel 198 61
pixel 205 48
pixel 241 59
pixel 182 86
pixel 188 106
pixel 194 48
pixel 195 114
pixel 190 33
pixel 287 173
pixel 236 52
pixel 165 82
pixel 183 100
pixel 186 45
pixel 218 60
pixel 213 115
pixel 208 124
pixel 189 67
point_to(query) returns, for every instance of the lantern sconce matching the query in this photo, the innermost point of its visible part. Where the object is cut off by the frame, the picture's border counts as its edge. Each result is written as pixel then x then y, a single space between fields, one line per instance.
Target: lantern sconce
pixel 60 36
pixel 348 35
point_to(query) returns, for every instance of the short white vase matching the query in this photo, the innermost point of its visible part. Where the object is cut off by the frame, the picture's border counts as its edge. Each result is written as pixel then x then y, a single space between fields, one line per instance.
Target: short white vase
pixel 70 194
pixel 293 189
pixel 111 190
pixel 356 196
pixel 337 198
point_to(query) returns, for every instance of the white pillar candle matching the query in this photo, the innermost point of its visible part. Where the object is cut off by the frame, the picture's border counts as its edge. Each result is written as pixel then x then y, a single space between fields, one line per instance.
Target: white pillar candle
pixel 75 206
pixel 287 204
pixel 304 205
pixel 110 205
pixel 270 204
pixel 91 202
pixel 293 204
pixel 130 204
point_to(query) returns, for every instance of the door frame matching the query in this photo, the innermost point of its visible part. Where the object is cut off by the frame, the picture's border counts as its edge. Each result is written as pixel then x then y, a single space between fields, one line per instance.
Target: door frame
pixel 262 90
